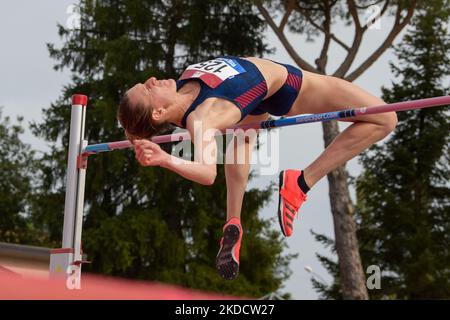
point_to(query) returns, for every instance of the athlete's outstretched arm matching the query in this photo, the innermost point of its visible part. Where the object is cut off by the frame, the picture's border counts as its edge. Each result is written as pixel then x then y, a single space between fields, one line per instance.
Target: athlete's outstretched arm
pixel 198 172
pixel 202 170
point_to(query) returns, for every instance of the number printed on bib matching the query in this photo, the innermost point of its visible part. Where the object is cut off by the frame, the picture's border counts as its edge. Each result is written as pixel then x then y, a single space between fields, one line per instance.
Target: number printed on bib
pixel 213 72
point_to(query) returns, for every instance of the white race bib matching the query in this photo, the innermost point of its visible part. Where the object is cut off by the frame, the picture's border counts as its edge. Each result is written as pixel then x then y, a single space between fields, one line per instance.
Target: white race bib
pixel 213 72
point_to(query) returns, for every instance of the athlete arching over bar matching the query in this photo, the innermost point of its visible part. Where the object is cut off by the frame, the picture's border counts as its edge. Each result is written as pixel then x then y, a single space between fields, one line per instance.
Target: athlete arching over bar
pixel 229 90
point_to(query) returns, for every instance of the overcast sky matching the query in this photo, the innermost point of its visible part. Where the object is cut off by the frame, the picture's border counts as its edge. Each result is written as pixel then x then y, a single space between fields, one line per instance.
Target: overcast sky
pixel 28 83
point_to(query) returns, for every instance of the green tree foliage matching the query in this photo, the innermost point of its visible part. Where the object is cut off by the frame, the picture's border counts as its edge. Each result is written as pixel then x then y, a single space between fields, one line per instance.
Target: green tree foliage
pixel 326 291
pixel 403 193
pixel 16 183
pixel 148 223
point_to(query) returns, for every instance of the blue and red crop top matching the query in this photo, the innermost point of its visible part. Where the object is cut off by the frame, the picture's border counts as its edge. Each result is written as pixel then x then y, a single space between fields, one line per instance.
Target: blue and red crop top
pixel 239 81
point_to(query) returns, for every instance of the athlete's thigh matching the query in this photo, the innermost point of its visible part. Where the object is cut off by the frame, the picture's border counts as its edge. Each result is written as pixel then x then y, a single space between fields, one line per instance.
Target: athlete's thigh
pixel 320 94
pixel 311 98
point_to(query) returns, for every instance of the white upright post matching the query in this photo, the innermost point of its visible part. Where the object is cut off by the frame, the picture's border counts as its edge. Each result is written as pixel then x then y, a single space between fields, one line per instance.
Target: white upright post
pixel 66 262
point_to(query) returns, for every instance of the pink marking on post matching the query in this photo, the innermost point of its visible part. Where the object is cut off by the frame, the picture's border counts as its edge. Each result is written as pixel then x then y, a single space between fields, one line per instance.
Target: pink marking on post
pixel 79 99
pixel 82 161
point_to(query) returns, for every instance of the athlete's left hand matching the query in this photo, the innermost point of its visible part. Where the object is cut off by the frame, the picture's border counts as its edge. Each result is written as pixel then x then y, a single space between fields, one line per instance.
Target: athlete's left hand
pixel 149 153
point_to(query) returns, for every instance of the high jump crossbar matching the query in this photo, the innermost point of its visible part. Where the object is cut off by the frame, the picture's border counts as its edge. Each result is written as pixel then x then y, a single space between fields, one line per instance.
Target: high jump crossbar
pixel 65 263
pixel 284 122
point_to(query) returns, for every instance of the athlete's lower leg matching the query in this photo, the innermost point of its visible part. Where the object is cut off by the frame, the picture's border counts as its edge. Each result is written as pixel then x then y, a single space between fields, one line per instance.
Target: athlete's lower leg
pixel 236 173
pixel 326 94
pixel 237 166
pixel 347 145
pixel 337 94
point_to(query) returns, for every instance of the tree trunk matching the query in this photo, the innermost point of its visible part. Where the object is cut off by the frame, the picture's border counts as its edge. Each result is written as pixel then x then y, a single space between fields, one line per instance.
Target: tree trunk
pixel 351 272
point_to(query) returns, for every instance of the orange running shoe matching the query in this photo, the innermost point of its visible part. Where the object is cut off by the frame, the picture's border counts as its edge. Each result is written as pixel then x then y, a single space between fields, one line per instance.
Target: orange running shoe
pixel 290 199
pixel 227 261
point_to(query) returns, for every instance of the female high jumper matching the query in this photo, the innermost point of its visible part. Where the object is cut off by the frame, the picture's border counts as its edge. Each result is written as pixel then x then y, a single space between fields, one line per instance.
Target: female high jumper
pixel 225 91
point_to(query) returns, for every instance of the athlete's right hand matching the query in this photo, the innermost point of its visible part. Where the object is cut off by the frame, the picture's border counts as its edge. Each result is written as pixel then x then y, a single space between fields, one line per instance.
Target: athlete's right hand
pixel 149 153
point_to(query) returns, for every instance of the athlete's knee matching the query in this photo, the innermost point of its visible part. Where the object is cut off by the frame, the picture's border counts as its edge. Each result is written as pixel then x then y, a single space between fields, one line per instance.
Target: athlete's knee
pixel 389 122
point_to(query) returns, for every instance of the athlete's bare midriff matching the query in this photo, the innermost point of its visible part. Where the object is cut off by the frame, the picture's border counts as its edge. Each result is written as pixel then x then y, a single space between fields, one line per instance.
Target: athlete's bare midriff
pixel 274 74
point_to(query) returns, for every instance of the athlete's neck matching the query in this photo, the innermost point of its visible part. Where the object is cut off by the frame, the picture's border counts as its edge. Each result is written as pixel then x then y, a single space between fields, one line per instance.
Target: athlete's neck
pixel 185 97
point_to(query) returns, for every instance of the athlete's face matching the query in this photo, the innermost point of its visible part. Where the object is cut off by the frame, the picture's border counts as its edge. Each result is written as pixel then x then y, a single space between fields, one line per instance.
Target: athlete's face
pixel 153 93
